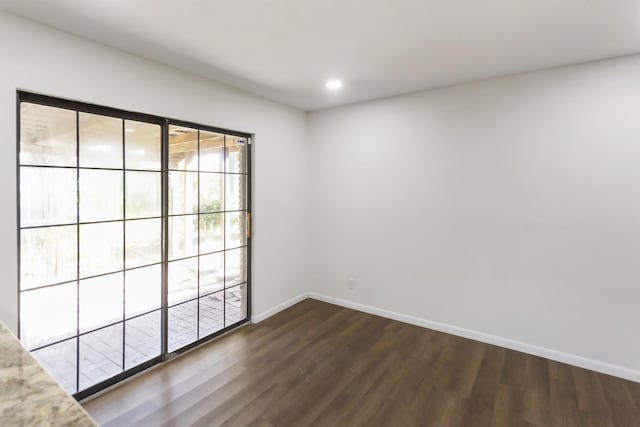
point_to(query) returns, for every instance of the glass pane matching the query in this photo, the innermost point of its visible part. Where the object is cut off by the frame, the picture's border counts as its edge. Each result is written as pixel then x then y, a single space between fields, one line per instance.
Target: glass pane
pixel 211 273
pixel 100 141
pixel 236 154
pixel 183 236
pixel 143 242
pixel 48 255
pixel 142 339
pixel 60 361
pixel 100 355
pixel 47 135
pixel 211 237
pixel 211 314
pixel 48 315
pixel 142 145
pixel 236 229
pixel 101 248
pixel 235 266
pixel 144 198
pixel 183 280
pixel 143 290
pixel 101 301
pixel 235 304
pixel 100 195
pixel 183 328
pixel 183 148
pixel 183 192
pixel 211 152
pixel 48 196
pixel 235 192
pixel 211 192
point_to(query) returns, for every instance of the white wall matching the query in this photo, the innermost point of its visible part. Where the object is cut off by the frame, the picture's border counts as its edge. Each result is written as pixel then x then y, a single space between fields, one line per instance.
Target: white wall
pixel 39 59
pixel 509 207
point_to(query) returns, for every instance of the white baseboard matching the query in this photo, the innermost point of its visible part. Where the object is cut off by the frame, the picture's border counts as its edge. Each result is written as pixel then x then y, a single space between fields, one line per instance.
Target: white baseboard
pixel 257 318
pixel 558 356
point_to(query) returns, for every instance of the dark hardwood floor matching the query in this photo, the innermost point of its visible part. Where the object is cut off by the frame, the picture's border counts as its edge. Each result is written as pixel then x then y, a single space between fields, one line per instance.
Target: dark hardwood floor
pixel 322 365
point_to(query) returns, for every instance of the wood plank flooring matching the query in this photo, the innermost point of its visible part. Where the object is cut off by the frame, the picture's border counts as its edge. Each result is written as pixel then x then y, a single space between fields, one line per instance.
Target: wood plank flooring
pixel 317 364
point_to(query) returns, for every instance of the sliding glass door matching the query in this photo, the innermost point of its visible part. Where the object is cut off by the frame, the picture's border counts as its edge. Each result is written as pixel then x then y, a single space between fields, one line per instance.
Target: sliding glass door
pixel 133 238
pixel 207 228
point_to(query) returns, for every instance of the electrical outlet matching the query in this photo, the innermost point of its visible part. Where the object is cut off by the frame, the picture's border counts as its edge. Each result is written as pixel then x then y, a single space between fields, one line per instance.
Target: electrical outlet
pixel 352 284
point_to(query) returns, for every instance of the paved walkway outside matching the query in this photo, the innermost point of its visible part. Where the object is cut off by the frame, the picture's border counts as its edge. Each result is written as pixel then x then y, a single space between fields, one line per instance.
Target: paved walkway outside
pixel 101 351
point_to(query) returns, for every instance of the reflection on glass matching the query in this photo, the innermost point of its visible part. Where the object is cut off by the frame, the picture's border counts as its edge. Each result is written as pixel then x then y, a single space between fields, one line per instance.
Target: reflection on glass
pixel 47 256
pixel 235 267
pixel 235 192
pixel 143 242
pixel 100 355
pixel 142 145
pixel 235 300
pixel 183 148
pixel 183 236
pixel 60 360
pixel 100 301
pixel 48 196
pixel 183 192
pixel 183 328
pixel 38 309
pixel 142 339
pixel 211 314
pixel 143 194
pixel 143 290
pixel 47 135
pixel 236 154
pixel 211 273
pixel 183 280
pixel 211 152
pixel 235 229
pixel 101 248
pixel 211 192
pixel 100 141
pixel 211 237
pixel 100 195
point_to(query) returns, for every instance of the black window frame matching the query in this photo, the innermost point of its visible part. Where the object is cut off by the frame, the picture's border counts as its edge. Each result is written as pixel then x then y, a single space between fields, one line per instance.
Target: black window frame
pixel 164 123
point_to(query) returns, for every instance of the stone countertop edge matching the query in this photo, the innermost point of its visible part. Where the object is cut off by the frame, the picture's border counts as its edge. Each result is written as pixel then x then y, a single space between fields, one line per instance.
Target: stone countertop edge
pixel 29 396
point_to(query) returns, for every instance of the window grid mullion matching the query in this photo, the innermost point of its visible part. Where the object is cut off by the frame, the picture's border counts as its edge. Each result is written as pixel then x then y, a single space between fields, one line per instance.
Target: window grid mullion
pixel 77 251
pixel 124 243
pixel 198 260
pixel 225 155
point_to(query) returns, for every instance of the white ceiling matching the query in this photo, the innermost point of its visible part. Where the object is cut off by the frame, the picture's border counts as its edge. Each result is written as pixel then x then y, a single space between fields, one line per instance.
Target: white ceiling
pixel 285 50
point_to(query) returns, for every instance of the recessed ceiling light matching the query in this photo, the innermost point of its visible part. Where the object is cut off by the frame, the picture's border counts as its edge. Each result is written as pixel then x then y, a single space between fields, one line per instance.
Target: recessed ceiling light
pixel 333 84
